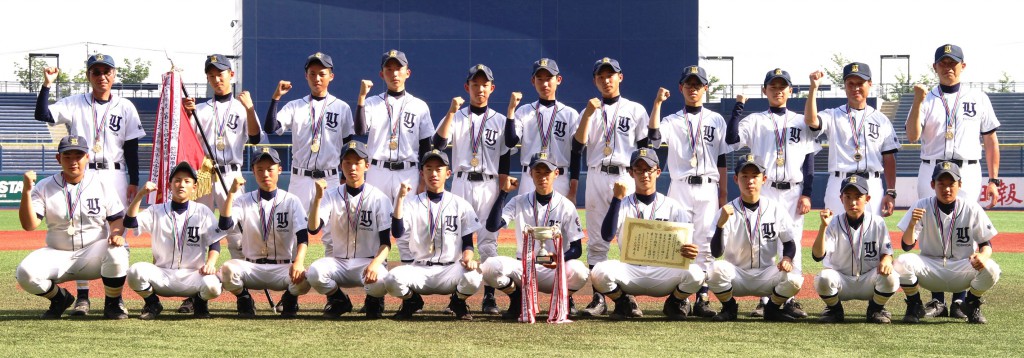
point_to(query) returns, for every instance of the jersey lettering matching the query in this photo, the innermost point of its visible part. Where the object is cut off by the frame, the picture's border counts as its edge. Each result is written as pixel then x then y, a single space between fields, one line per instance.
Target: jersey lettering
pixel 233 121
pixel 624 124
pixel 115 122
pixel 93 205
pixel 365 218
pixel 490 137
pixel 451 223
pixel 408 120
pixel 873 130
pixel 969 109
pixel 193 234
pixel 963 236
pixel 709 134
pixel 332 120
pixel 768 231
pixel 560 129
pixel 870 251
pixel 282 220
pixel 794 135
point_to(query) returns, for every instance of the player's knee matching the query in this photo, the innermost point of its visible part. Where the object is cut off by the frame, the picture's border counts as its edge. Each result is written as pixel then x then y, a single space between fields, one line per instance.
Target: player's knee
pixel 29 280
pixel 794 280
pixel 211 287
pixel 887 283
pixel 908 264
pixel 827 282
pixel 992 269
pixel 300 288
pixel 471 280
pixel 491 268
pixel 376 289
pixel 578 273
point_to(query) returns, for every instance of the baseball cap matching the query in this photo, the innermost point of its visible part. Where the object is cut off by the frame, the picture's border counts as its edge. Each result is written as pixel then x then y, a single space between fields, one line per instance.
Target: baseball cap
pixel 542 158
pixel 694 71
pixel 855 181
pixel 355 146
pixel 647 154
pixel 610 62
pixel 746 160
pixel 99 59
pixel 187 168
pixel 949 50
pixel 545 64
pixel 396 55
pixel 480 68
pixel 217 60
pixel 777 73
pixel 320 57
pixel 72 142
pixel 434 153
pixel 946 167
pixel 858 69
pixel 265 152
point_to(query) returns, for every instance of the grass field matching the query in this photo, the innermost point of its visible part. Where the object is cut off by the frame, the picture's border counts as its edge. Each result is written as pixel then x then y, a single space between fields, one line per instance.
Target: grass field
pixel 434 334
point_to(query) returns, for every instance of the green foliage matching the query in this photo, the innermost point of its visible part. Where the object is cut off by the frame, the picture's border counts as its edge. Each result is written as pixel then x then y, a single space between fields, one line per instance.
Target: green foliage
pixel 714 89
pixel 904 84
pixel 1006 84
pixel 834 72
pixel 133 72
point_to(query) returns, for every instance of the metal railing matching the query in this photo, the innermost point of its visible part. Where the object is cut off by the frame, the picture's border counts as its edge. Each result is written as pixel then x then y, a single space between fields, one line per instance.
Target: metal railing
pixel 64 89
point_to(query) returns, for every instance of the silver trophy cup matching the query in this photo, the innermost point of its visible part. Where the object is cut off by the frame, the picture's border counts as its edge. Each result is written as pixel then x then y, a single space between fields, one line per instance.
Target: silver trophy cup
pixel 543 234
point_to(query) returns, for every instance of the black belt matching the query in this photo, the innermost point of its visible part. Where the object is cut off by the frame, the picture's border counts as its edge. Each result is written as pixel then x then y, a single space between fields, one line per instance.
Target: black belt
pixel 612 169
pixel 268 261
pixel 697 179
pixel 393 165
pixel 430 263
pixel 781 185
pixel 862 174
pixel 104 166
pixel 561 171
pixel 229 168
pixel 315 174
pixel 958 162
pixel 474 176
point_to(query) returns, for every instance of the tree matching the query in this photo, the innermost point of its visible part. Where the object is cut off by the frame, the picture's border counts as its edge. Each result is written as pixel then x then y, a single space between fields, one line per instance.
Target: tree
pixel 714 88
pixel 905 85
pixel 33 75
pixel 1006 84
pixel 133 72
pixel 835 72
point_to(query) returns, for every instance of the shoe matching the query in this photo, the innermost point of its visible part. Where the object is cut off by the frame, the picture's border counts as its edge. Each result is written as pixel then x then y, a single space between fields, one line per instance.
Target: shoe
pixel 675 309
pixel 935 308
pixel 596 307
pixel 573 312
pixel 794 309
pixel 461 310
pixel 448 309
pixel 915 310
pixel 702 308
pixel 775 313
pixel 245 305
pixel 362 310
pixel 409 307
pixel 337 305
pixel 972 309
pixel 729 311
pixel 833 314
pixel 875 314
pixel 59 303
pixel 200 307
pixel 374 307
pixel 151 310
pixel 187 306
pixel 289 305
pixel 515 306
pixel 626 307
pixel 113 308
pixel 956 310
pixel 759 310
pixel 82 306
pixel 490 305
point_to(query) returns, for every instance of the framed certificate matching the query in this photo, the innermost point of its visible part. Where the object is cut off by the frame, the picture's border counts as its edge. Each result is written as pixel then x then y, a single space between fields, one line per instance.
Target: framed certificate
pixel 655 243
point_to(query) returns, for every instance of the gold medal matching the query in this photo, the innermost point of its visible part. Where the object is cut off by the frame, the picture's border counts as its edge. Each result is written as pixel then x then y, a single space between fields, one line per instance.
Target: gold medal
pixel 263 251
pixel 607 151
pixel 474 162
pixel 393 145
pixel 857 156
pixel 693 161
pixel 71 230
pixel 949 134
pixel 220 143
pixel 97 147
pixel 780 161
pixel 315 147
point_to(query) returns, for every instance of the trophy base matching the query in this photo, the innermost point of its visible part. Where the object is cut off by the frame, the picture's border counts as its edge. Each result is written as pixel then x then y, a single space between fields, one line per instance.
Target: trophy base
pixel 545 260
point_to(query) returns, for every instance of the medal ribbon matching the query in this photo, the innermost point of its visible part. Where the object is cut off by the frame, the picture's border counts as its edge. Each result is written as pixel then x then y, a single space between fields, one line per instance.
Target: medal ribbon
pixel 640 213
pixel 608 129
pixel 780 134
pixel 353 225
pixel 946 236
pixel 950 112
pixel 218 120
pixel 752 231
pixel 97 122
pixel 694 137
pixel 393 124
pixel 854 243
pixel 857 130
pixel 434 220
pixel 72 204
pixel 545 136
pixel 179 236
pixel 319 124
pixel 266 221
pixel 474 134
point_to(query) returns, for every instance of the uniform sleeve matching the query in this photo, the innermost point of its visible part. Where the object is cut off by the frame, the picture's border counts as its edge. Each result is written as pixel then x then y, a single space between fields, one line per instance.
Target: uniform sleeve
pixel 38 200
pixel 327 208
pixel 643 119
pixel 113 205
pixel 238 214
pixel 384 210
pixel 348 124
pixel 989 122
pixel 427 128
pixel 508 213
pixel 884 240
pixel 470 222
pixel 521 121
pixel 299 218
pixel 62 110
pixel 745 132
pixel 891 142
pixel 831 235
pixel 723 147
pixel 286 116
pixel 824 122
pixel 905 220
pixel 981 225
pixel 133 125
pixel 571 227
pixel 213 232
pixel 147 219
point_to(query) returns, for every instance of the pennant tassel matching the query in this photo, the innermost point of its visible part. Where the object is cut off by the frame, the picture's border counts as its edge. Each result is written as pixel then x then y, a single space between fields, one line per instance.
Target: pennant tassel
pixel 529 290
pixel 559 311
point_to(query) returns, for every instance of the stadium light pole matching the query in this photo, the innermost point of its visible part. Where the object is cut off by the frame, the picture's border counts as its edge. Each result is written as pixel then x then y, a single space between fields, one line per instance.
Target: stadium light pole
pixel 732 71
pixel 881 67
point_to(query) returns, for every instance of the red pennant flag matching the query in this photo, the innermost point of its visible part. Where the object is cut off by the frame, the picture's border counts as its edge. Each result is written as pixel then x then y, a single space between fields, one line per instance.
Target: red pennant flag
pixel 175 141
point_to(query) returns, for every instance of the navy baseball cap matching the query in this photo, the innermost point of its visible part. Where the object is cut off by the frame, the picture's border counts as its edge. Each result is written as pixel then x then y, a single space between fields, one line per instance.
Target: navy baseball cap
pixel 946 167
pixel 858 69
pixel 265 152
pixel 777 73
pixel 217 60
pixel 694 71
pixel 545 64
pixel 321 58
pixel 434 153
pixel 746 160
pixel 482 69
pixel 855 181
pixel 357 147
pixel 542 158
pixel 609 62
pixel 396 55
pixel 100 59
pixel 949 50
pixel 72 142
pixel 646 154
pixel 185 167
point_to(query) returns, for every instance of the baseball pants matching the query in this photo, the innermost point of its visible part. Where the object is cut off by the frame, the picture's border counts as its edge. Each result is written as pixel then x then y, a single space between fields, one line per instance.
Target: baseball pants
pixel 173 282
pixel 830 282
pixel 950 276
pixel 753 282
pixel 44 267
pixel 875 189
pixel 499 271
pixel 304 187
pixel 215 200
pixel 388 181
pixel 481 196
pixel 970 178
pixel 599 197
pixel 239 274
pixel 645 280
pixel 329 273
pixel 433 280
pixel 702 201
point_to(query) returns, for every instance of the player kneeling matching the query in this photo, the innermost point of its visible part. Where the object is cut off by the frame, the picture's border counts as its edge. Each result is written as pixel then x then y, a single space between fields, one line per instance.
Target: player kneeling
pixel 858 257
pixel 186 244
pixel 356 221
pixel 620 281
pixel 949 228
pixel 435 229
pixel 274 239
pixel 749 246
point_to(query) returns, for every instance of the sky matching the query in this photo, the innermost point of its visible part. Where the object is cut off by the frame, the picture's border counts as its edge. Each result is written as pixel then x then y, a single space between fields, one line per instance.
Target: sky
pixel 799 36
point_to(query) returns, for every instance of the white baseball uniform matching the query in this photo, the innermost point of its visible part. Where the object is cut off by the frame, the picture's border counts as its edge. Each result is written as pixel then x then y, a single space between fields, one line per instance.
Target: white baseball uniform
pixel 617 127
pixel 868 132
pixel 947 242
pixel 548 128
pixel 353 223
pixel 433 241
pixel 269 228
pixel 76 217
pixel 701 136
pixel 851 259
pixel 500 271
pixel 749 241
pixel 400 121
pixel 969 112
pixel 647 280
pixel 180 245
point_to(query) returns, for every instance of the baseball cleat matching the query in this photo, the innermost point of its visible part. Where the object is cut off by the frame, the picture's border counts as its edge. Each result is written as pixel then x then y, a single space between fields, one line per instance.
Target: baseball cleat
pixel 833 314
pixel 200 307
pixel 82 306
pixel 935 308
pixel 729 311
pixel 515 306
pixel 793 308
pixel 289 305
pixel 374 307
pixel 956 310
pixel 759 310
pixel 596 307
pixel 461 310
pixel 702 308
pixel 448 309
pixel 915 310
pixel 573 312
pixel 626 307
pixel 409 307
pixel 58 304
pixel 337 305
pixel 675 309
pixel 113 308
pixel 875 314
pixel 490 305
pixel 187 306
pixel 245 305
pixel 151 311
pixel 972 308
pixel 775 313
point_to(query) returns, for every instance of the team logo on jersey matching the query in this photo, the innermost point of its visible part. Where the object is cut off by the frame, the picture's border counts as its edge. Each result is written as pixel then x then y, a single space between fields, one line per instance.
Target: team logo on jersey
pixel 93 204
pixel 794 135
pixel 870 249
pixel 969 109
pixel 115 123
pixel 193 234
pixel 873 130
pixel 768 231
pixel 560 129
pixel 490 137
pixel 963 236
pixel 623 124
pixel 709 134
pixel 332 120
pixel 365 218
pixel 282 220
pixel 451 223
pixel 408 120
pixel 233 122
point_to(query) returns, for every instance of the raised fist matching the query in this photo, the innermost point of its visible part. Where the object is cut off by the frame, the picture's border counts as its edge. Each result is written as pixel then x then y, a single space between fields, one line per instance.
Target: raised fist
pixel 594 103
pixel 149 187
pixel 456 104
pixel 321 186
pixel 403 189
pixel 741 98
pixel 30 180
pixel 364 87
pixel 237 184
pixel 826 217
pixel 619 190
pixel 189 104
pixel 245 99
pixel 662 95
pixel 917 215
pixel 510 184
pixel 50 75
pixel 920 91
pixel 815 78
pixel 513 101
pixel 282 88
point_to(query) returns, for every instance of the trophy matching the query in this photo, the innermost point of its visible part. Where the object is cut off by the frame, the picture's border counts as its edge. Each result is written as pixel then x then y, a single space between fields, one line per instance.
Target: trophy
pixel 543 234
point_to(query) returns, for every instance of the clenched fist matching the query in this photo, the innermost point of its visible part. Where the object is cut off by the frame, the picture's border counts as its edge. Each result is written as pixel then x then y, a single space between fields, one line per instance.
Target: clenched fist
pixel 403 190
pixel 282 88
pixel 727 212
pixel 594 104
pixel 662 95
pixel 30 180
pixel 50 76
pixel 239 183
pixel 456 104
pixel 364 87
pixel 509 184
pixel 815 78
pixel 513 101
pixel 619 190
pixel 826 217
pixel 246 100
pixel 321 186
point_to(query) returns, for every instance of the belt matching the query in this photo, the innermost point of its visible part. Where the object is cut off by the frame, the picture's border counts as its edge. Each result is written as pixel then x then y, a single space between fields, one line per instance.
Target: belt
pixel 612 169
pixel 958 162
pixel 105 166
pixel 393 165
pixel 561 170
pixel 229 168
pixel 268 261
pixel 431 263
pixel 781 185
pixel 862 174
pixel 474 176
pixel 315 174
pixel 698 179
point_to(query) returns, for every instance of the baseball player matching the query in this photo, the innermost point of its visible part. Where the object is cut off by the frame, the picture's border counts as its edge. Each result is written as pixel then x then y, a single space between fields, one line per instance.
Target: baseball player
pixel 696 160
pixel 543 207
pixel 861 139
pixel 111 128
pixel 746 237
pixel 274 239
pixel 956 248
pixel 186 244
pixel 83 237
pixel 788 149
pixel 398 125
pixel 949 121
pixel 356 218
pixel 619 130
pixel 435 229
pixel 619 280
pixel 858 257
pixel 482 158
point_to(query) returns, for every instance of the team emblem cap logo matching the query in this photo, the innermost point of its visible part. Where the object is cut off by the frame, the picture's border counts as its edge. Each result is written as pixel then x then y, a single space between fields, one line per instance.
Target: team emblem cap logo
pixel 318 55
pixel 946 166
pixel 73 141
pixel 543 62
pixel 266 149
pixel 643 152
pixel 352 145
pixel 213 59
pixel 100 57
pixel 852 179
pixel 947 49
pixel 778 72
pixel 542 155
pixel 435 151
pixel 855 68
pixel 748 158
pixel 605 60
pixel 393 53
pixel 480 67
pixel 693 69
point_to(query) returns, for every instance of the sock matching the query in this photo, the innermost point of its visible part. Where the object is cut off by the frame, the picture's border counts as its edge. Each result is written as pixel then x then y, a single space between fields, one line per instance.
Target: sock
pixel 52 292
pixel 830 300
pixel 151 298
pixel 145 293
pixel 939 296
pixel 459 295
pixel 680 295
pixel 880 298
pixel 778 300
pixel 112 286
pixel 614 294
pixel 724 295
pixel 959 296
pixel 488 292
pixel 911 290
pixel 241 293
pixel 510 288
pixel 974 295
pixel 83 285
